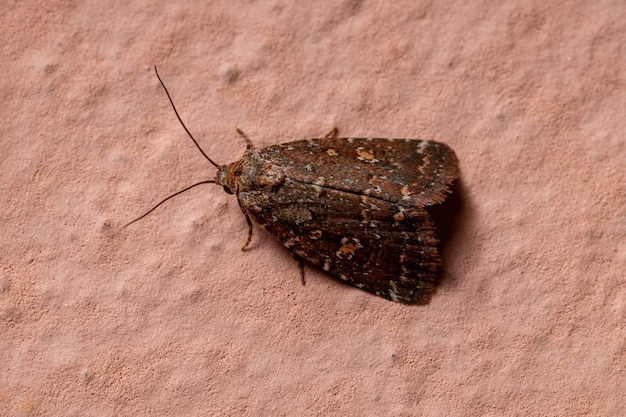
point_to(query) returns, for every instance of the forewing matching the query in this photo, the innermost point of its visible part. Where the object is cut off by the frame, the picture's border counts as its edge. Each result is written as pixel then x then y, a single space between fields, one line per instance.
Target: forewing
pixel 404 171
pixel 368 242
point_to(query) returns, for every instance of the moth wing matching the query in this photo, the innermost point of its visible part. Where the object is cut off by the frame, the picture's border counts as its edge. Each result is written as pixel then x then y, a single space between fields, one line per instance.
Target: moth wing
pixel 404 171
pixel 370 243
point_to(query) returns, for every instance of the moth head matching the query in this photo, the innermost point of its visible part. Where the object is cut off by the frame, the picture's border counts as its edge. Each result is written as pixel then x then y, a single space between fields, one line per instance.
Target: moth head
pixel 228 177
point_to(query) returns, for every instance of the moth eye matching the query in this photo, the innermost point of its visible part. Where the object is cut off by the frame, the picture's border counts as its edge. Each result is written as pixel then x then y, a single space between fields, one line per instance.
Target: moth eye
pixel 227 190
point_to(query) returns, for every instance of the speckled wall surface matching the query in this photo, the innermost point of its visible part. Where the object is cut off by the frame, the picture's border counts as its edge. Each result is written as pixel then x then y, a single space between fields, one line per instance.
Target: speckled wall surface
pixel 169 317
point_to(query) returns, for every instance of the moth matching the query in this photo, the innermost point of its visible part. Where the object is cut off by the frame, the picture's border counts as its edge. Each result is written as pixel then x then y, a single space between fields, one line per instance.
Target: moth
pixel 354 207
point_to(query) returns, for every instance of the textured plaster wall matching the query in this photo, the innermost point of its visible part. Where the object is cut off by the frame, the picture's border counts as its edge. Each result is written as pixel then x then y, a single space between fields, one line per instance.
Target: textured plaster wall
pixel 168 317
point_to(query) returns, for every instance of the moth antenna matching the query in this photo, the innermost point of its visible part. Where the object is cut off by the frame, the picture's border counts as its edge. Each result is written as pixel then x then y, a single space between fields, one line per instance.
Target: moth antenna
pixel 182 123
pixel 172 196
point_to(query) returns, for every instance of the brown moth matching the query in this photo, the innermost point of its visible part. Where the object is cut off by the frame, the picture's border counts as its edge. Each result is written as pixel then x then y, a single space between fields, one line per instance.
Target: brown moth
pixel 354 207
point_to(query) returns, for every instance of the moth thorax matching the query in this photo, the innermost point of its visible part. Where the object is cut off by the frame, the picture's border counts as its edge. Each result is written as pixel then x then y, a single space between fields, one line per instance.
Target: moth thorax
pixel 272 177
pixel 256 174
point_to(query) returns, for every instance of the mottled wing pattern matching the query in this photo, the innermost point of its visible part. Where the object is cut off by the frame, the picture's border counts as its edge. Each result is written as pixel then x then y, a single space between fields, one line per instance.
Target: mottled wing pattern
pixel 404 171
pixel 374 244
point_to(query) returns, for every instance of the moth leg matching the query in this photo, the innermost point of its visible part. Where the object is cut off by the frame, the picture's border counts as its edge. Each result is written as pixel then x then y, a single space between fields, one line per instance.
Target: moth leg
pixel 332 134
pixel 245 245
pixel 300 262
pixel 301 268
pixel 246 138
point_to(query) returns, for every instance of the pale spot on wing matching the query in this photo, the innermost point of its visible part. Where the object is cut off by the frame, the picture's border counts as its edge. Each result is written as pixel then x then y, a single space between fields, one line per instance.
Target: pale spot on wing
pixel 366 155
pixel 348 248
pixel 394 294
pixel 326 266
pixel 291 242
pixel 405 272
pixel 315 234
pixel 422 146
